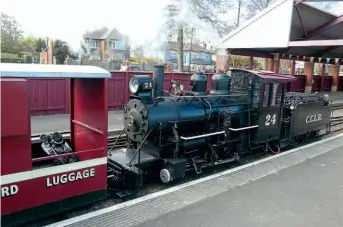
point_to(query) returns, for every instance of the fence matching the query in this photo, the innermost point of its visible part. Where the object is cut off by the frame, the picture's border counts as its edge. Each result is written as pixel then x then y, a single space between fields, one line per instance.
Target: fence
pixel 50 96
pixel 108 65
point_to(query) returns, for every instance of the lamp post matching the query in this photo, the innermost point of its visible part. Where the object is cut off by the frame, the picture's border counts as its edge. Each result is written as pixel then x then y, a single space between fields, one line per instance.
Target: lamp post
pixel 47 50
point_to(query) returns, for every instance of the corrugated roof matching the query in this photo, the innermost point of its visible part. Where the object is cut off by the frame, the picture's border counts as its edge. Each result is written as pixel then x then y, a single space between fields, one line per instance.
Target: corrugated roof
pixel 267 75
pixel 280 28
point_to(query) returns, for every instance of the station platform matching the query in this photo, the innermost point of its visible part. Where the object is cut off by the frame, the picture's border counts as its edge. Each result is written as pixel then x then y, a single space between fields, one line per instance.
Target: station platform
pixel 52 123
pixel 300 187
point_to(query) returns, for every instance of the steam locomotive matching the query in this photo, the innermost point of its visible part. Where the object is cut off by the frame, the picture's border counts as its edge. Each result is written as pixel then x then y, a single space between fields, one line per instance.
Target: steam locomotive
pixel 246 111
pixel 168 133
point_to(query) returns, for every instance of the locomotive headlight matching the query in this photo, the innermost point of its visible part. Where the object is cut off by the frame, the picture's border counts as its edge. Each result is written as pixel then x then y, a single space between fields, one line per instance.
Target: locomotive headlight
pixel 133 85
pixel 291 107
pixel 140 85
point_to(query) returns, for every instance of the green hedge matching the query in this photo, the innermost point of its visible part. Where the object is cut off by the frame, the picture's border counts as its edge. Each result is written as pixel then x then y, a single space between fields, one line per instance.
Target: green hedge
pixel 12 60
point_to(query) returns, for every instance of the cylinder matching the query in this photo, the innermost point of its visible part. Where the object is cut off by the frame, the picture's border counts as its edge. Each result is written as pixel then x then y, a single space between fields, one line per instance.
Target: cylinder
pixel 158 75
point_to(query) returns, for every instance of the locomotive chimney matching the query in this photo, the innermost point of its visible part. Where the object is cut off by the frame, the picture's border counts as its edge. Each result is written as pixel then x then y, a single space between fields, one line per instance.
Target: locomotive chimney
pixel 158 75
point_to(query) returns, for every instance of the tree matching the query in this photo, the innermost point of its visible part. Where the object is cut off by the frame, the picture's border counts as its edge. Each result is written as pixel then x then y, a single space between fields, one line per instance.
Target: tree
pixel 138 53
pixel 151 60
pixel 74 55
pixel 208 11
pixel 285 65
pixel 61 51
pixel 28 43
pixel 239 2
pixel 243 62
pixel 40 45
pixel 254 6
pixel 85 51
pixel 10 35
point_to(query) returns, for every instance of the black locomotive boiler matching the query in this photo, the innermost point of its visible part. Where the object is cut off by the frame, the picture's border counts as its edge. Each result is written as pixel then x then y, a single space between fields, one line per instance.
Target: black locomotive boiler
pixel 246 111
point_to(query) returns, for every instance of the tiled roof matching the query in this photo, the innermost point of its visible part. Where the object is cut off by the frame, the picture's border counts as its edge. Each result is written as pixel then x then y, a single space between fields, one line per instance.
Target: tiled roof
pixel 198 61
pixel 104 33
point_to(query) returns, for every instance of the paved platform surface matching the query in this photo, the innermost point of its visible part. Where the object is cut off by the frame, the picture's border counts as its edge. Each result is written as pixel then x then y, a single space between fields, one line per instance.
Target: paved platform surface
pixel 309 194
pixel 54 123
pixel 334 96
pixel 300 187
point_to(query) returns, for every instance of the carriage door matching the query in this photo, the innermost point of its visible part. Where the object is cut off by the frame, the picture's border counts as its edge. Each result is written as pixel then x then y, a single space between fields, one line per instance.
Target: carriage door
pixel 269 123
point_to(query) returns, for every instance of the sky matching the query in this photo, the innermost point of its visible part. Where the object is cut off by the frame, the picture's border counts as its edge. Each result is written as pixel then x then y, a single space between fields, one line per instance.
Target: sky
pixel 69 19
pixel 141 20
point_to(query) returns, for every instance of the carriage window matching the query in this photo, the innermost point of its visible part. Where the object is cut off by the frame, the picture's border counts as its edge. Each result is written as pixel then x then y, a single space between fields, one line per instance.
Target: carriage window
pixel 266 94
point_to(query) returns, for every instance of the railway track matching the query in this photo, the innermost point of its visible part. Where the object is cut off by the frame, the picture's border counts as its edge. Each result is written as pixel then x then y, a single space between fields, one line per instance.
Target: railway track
pixel 336 120
pixel 117 142
pixel 113 133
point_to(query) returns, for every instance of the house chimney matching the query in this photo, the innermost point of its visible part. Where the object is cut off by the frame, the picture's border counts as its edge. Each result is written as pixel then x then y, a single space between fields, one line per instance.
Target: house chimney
pixel 205 45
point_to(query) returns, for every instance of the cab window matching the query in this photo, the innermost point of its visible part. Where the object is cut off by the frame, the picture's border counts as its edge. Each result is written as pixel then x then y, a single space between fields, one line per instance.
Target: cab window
pixel 257 94
pixel 276 94
pixel 272 94
pixel 266 95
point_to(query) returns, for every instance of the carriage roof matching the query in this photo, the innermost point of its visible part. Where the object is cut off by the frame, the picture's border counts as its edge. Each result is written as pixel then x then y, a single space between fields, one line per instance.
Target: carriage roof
pixel 52 71
pixel 267 75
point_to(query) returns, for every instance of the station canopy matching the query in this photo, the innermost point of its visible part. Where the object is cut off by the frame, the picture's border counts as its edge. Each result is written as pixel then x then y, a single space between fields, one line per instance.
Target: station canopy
pixel 288 29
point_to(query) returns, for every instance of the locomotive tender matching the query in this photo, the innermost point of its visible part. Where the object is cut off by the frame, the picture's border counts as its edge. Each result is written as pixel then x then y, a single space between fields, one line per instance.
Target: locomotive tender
pixel 245 111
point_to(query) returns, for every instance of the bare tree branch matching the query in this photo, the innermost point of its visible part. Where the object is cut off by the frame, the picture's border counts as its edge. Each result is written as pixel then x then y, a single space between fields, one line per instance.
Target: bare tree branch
pixel 208 11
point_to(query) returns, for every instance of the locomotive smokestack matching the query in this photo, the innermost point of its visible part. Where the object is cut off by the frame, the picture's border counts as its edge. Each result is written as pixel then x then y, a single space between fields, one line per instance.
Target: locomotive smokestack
pixel 158 75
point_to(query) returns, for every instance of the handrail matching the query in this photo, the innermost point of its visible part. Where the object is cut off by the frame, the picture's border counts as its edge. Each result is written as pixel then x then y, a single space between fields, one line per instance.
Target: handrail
pixel 87 126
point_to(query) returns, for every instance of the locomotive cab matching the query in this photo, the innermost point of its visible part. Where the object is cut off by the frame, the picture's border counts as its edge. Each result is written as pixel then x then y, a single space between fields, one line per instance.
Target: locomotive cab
pixel 268 102
pixel 267 91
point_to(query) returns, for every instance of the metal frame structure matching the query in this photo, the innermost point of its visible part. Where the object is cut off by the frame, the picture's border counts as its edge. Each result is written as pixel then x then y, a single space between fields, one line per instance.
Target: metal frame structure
pixel 304 31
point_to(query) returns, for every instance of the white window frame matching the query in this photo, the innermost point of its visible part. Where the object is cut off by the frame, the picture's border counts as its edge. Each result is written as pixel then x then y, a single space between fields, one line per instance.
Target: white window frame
pixel 93 43
pixel 173 53
pixel 112 44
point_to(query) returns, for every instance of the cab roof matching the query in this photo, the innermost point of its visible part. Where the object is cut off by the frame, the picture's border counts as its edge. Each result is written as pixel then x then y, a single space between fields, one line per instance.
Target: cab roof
pixel 52 71
pixel 267 75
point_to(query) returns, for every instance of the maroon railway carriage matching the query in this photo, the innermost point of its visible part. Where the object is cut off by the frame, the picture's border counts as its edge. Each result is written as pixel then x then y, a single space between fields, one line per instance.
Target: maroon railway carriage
pixel 33 186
